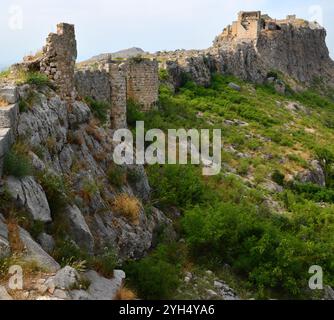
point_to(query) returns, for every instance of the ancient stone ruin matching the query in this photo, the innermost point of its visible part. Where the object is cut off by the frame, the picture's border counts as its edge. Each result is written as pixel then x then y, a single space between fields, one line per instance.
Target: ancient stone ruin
pixel 250 24
pixel 58 60
pixel 116 82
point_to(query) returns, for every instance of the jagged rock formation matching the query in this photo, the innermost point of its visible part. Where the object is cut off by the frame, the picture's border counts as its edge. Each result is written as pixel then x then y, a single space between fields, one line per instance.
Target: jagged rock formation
pixel 70 149
pixel 254 46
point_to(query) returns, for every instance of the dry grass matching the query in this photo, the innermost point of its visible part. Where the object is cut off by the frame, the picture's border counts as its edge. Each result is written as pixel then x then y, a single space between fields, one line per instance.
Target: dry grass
pixel 125 294
pixel 128 206
pixel 93 131
pixel 14 236
pixel 3 102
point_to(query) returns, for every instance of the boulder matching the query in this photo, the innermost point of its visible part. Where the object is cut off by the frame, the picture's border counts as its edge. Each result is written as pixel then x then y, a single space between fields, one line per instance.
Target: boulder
pixel 64 279
pixel 35 253
pixel 313 175
pixel 234 86
pixel 102 288
pixel 79 228
pixel 29 194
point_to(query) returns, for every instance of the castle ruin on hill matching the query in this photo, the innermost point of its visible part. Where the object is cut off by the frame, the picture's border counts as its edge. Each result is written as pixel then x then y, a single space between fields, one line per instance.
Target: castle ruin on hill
pixel 250 24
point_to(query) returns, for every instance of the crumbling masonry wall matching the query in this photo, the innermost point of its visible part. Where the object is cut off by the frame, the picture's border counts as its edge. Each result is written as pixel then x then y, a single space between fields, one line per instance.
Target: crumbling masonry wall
pixel 143 82
pixel 58 61
pixel 117 82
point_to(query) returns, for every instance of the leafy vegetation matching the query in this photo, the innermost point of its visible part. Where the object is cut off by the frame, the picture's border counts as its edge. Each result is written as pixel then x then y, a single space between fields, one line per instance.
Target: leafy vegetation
pixel 227 218
pixel 17 162
pixel 99 108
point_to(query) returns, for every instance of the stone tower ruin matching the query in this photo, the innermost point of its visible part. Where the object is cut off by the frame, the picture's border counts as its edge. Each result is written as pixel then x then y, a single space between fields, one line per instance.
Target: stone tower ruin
pixel 59 56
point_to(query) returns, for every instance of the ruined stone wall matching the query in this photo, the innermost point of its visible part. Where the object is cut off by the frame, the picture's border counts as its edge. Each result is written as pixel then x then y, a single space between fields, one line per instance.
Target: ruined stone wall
pixel 248 25
pixel 117 74
pixel 58 61
pixel 93 83
pixel 9 114
pixel 143 82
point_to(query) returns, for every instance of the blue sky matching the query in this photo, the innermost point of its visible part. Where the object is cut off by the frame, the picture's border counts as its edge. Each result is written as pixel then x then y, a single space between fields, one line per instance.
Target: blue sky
pixel 107 26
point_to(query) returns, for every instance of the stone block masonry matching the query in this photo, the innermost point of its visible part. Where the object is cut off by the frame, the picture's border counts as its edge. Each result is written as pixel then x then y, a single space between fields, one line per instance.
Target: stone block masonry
pixel 9 113
pixel 143 82
pixel 58 61
pixel 116 82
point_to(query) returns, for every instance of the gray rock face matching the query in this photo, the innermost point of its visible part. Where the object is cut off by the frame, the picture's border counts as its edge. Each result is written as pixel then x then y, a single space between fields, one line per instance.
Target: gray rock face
pixel 34 253
pixel 29 194
pixel 79 229
pixel 9 116
pixel 314 175
pixel 102 288
pixel 329 293
pixel 4 243
pixel 64 279
pixel 47 243
pixel 47 120
pixel 9 93
pixel 80 112
pixel 4 294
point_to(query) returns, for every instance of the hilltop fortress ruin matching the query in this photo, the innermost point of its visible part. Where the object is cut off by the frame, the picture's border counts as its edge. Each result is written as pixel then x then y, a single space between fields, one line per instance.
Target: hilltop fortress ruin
pixel 251 48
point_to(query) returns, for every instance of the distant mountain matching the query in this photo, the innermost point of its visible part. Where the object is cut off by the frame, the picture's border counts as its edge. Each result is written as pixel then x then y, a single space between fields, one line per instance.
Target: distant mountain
pixel 122 54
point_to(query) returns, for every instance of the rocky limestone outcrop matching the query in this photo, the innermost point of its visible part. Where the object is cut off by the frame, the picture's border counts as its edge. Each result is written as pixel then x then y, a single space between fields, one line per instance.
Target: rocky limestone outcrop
pixel 27 193
pixel 67 284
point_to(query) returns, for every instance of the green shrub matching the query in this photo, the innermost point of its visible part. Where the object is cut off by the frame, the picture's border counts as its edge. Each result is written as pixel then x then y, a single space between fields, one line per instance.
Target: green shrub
pixel 271 253
pixel 17 164
pixel 56 191
pixel 176 185
pixel 105 262
pixel 133 113
pixel 36 78
pixel 99 109
pixel 278 177
pixel 163 75
pixel 117 175
pixel 68 253
pixel 158 275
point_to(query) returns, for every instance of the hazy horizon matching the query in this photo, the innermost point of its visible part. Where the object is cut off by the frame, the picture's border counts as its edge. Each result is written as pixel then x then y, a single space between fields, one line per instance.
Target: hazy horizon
pixel 107 26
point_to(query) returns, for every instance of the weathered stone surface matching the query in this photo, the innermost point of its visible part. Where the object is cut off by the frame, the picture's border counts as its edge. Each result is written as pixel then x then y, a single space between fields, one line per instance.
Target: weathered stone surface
pixel 102 288
pixel 79 228
pixel 9 93
pixel 58 61
pixel 4 243
pixel 6 140
pixel 313 175
pixel 28 193
pixel 64 279
pixel 4 294
pixel 9 116
pixel 34 253
pixel 80 113
pixel 47 242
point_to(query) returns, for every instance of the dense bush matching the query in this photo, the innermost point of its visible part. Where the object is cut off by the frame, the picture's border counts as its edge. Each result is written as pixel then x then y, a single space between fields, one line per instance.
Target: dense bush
pixel 271 254
pixel 17 163
pixel 158 275
pixel 177 185
pixel 99 109
pixel 56 190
